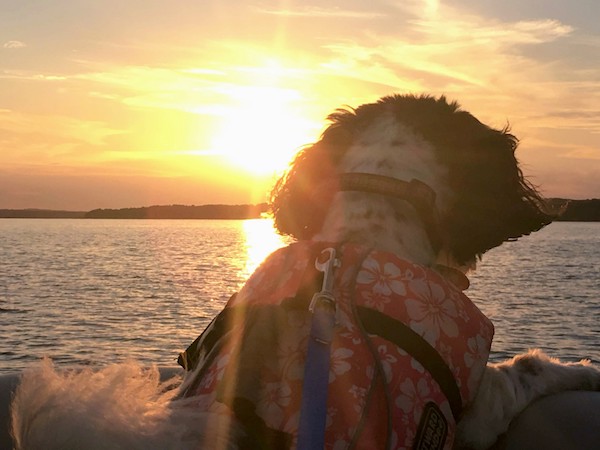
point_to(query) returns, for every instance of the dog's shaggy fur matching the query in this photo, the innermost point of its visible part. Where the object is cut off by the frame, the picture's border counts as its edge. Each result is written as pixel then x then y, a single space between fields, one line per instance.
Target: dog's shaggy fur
pixel 482 200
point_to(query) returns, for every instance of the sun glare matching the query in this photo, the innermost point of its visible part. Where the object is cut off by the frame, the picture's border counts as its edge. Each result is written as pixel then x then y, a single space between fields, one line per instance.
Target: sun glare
pixel 261 131
pixel 261 240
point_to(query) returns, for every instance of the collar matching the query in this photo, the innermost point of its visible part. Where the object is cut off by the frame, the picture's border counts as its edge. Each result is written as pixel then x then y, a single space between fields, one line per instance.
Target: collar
pixel 420 195
pixel 416 192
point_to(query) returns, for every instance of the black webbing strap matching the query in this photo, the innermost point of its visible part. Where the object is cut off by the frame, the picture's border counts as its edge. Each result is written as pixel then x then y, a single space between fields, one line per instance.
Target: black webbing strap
pixel 206 346
pixel 404 337
pixel 204 343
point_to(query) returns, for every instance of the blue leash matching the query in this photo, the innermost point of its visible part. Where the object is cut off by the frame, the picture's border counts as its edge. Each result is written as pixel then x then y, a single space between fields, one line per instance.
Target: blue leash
pixel 313 412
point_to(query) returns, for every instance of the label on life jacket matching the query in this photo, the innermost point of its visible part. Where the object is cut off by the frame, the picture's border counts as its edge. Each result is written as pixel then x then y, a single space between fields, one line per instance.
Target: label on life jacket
pixel 409 351
pixel 433 429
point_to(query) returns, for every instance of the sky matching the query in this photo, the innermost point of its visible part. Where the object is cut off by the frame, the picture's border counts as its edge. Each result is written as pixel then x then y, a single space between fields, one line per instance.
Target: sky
pixel 114 104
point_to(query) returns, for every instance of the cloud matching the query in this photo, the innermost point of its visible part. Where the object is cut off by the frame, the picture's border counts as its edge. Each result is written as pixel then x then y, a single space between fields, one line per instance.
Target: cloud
pixel 321 12
pixel 188 90
pixel 202 91
pixel 451 26
pixel 54 129
pixel 573 118
pixel 14 44
pixel 467 50
pixel 29 76
pixel 495 69
pixel 445 50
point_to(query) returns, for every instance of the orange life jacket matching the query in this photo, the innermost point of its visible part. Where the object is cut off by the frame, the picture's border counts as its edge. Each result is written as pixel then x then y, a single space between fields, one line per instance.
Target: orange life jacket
pixel 409 352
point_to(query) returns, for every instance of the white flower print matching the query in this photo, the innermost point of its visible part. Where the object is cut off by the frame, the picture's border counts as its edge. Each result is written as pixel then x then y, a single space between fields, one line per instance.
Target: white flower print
pixel 276 396
pixel 345 323
pixel 477 350
pixel 331 413
pixel 339 365
pixel 376 300
pixel 359 393
pixel 413 398
pixel 417 365
pixel 387 360
pixel 413 362
pixel 475 359
pixel 431 312
pixel 383 279
pixel 459 300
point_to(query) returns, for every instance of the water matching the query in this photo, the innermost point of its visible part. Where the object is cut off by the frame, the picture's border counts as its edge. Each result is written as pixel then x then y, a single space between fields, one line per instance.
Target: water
pixel 544 291
pixel 101 291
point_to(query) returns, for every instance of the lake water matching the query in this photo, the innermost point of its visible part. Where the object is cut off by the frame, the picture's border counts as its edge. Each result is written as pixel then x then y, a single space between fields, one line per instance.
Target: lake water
pixel 102 291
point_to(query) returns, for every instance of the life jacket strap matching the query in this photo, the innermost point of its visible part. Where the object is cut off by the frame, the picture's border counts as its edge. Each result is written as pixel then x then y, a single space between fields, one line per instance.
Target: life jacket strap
pixel 403 336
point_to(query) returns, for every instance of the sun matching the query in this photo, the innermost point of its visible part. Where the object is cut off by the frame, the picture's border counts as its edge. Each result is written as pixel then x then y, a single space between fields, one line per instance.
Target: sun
pixel 262 129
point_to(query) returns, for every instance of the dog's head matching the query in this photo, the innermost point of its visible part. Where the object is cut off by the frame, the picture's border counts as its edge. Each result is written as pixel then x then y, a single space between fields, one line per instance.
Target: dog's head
pixel 483 197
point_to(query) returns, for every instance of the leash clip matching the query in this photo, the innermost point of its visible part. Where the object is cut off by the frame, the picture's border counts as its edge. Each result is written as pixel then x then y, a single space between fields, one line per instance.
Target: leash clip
pixel 326 262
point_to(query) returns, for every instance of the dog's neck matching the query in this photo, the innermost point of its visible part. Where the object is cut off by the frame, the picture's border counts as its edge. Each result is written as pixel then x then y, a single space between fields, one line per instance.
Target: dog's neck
pixel 370 219
pixel 391 224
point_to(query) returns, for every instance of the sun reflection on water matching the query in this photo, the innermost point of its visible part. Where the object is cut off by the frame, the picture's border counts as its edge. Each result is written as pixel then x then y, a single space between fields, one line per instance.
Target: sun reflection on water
pixel 261 240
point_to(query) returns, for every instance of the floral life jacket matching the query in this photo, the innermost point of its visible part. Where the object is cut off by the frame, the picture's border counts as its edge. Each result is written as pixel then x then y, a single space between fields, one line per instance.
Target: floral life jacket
pixel 408 352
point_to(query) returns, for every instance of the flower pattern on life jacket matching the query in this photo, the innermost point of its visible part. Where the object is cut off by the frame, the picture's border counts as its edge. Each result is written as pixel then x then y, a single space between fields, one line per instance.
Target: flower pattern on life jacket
pixel 358 393
pixel 476 348
pixel 431 311
pixel 276 397
pixel 387 359
pixel 382 278
pixel 413 295
pixel 339 362
pixel 413 397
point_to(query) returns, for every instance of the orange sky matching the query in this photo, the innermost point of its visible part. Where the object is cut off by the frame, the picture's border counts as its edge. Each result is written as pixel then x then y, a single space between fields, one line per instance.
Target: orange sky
pixel 132 103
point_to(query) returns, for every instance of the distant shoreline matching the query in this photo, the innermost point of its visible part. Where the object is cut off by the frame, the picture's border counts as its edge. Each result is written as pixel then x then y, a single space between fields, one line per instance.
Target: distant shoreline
pixel 566 211
pixel 150 212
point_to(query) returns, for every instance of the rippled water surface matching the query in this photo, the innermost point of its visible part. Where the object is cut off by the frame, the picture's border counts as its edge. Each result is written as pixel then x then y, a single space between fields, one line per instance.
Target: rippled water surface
pixel 101 291
pixel 544 291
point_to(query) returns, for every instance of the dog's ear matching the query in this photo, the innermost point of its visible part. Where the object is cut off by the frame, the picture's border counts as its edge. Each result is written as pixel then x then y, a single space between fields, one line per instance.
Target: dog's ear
pixel 297 212
pixel 299 200
pixel 493 202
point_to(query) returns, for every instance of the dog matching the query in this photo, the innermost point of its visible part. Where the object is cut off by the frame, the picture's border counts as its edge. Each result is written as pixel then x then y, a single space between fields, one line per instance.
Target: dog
pixel 397 198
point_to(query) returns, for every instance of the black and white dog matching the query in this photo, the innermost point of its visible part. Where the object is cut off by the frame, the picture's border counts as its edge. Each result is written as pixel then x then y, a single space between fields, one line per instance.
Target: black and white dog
pixel 471 197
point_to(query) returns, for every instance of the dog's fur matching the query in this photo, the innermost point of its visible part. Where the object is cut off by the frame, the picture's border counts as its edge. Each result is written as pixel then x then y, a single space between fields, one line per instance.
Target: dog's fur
pixel 482 200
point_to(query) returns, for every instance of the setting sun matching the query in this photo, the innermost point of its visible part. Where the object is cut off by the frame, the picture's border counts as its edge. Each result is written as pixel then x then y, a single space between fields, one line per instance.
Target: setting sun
pixel 259 122
pixel 208 102
pixel 263 131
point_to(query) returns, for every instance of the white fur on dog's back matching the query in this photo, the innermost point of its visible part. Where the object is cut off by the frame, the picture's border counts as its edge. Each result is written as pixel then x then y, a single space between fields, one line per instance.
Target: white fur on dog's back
pixel 122 406
pixel 508 388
